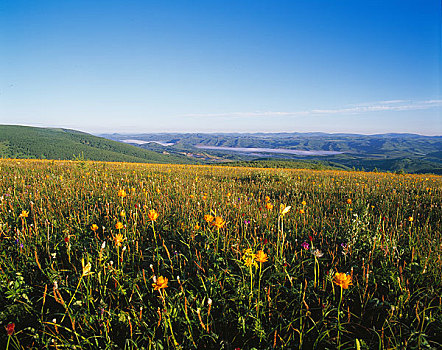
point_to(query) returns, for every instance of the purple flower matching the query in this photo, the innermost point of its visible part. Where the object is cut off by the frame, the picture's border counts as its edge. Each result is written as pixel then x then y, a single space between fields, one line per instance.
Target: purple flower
pixel 305 245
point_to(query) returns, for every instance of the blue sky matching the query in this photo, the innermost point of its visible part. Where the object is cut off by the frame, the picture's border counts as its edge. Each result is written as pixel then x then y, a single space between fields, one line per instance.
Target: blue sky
pixel 222 66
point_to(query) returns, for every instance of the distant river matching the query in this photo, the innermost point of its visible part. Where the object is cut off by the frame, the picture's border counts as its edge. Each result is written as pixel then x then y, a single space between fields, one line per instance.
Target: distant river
pixel 271 150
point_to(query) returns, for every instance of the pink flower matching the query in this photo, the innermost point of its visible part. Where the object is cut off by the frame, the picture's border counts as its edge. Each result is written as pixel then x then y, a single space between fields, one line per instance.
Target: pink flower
pixel 305 245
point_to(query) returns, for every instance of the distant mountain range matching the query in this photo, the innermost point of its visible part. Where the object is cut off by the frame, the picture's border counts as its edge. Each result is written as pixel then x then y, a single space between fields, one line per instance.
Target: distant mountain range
pixel 47 143
pixel 387 152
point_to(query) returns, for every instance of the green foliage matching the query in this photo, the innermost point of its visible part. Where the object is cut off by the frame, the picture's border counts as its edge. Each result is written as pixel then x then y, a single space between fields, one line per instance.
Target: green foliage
pixel 385 152
pixel 66 283
pixel 286 164
pixel 43 143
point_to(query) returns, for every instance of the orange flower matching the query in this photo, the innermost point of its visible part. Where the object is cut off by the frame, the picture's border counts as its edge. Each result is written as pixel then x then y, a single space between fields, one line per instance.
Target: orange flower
pixel 94 227
pixel 24 214
pixel 208 218
pixel 410 219
pixel 267 199
pixel 160 283
pixel 269 206
pixel 349 201
pixel 153 215
pixel 219 222
pixel 118 239
pixel 301 211
pixel 261 256
pixel 122 193
pixel 342 279
pixel 119 225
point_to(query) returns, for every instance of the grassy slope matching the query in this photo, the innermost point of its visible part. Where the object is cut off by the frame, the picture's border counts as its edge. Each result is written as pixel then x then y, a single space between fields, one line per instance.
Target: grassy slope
pixel 30 142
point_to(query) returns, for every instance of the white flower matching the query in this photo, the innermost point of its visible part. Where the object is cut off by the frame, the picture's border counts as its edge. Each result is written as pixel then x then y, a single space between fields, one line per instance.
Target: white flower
pixel 317 253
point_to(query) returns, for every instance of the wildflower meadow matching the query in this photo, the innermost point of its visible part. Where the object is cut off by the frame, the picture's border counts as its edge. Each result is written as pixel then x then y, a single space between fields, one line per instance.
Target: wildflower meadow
pixel 98 255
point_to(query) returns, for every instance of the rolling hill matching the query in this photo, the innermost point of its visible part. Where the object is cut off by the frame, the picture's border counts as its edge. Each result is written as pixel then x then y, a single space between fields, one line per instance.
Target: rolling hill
pixel 410 153
pixel 47 143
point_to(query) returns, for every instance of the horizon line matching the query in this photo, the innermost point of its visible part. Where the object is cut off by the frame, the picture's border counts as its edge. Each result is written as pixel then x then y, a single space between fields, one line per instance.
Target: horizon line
pixel 98 133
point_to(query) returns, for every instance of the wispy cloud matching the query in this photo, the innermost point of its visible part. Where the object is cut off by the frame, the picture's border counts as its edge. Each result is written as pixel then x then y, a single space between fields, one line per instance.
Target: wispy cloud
pixel 379 106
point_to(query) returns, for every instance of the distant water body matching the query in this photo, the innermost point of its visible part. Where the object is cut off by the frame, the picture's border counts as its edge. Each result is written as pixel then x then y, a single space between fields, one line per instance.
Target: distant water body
pixel 271 150
pixel 142 142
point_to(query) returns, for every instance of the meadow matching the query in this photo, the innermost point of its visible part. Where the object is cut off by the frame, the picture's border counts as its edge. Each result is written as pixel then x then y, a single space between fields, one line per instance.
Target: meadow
pixel 140 256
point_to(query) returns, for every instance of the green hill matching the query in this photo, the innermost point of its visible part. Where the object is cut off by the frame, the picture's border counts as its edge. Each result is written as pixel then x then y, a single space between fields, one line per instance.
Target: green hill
pixel 47 143
pixel 408 153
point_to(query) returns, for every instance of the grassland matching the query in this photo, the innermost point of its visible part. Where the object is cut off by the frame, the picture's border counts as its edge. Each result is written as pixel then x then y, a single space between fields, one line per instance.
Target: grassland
pixel 142 256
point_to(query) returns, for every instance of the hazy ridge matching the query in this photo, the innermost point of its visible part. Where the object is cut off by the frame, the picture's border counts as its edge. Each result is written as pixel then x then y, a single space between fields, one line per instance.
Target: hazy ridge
pixel 386 152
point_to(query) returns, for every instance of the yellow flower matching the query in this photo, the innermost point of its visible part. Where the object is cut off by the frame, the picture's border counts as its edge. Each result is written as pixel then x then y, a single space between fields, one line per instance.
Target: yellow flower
pixel 208 218
pixel 153 215
pixel 94 227
pixel 249 261
pixel 249 258
pixel 267 199
pixel 304 203
pixel 24 214
pixel 247 251
pixel 123 213
pixel 122 193
pixel 283 209
pixel 118 239
pixel 119 225
pixel 410 219
pixel 349 201
pixel 219 222
pixel 161 283
pixel 269 206
pixel 86 268
pixel 342 279
pixel 261 256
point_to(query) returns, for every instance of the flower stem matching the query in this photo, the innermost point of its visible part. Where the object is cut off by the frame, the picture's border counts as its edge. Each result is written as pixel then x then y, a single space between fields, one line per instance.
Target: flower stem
pixel 72 299
pixel 259 290
pixel 339 320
